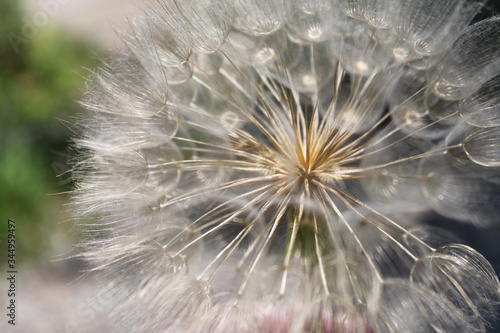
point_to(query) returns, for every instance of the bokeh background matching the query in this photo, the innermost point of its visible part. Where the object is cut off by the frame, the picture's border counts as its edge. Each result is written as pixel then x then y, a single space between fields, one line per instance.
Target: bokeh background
pixel 47 47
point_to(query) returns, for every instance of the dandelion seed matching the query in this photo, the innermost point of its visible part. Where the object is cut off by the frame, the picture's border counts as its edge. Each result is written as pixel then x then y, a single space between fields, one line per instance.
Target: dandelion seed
pixel 260 166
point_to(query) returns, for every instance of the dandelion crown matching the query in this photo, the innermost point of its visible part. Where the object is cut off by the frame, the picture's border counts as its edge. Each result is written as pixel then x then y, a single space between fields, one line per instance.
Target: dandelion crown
pixel 263 166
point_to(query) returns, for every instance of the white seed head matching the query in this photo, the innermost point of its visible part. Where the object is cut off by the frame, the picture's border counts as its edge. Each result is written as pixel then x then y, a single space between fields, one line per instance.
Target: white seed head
pixel 262 166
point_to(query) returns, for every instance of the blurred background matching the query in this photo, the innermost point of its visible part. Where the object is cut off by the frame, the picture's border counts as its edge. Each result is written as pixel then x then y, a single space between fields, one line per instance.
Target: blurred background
pixel 46 49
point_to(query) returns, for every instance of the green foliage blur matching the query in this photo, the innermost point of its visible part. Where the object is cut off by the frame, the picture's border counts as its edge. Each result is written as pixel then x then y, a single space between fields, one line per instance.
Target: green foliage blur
pixel 39 84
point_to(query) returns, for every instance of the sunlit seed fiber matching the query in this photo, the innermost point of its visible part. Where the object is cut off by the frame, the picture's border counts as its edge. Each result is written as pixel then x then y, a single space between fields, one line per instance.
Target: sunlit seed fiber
pixel 265 166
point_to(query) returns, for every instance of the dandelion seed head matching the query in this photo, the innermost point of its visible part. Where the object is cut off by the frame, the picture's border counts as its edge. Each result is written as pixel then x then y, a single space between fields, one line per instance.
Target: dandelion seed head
pixel 265 166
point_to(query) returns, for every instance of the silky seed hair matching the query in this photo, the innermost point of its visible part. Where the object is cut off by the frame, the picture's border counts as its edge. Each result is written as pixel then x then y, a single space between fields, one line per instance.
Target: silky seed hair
pixel 264 166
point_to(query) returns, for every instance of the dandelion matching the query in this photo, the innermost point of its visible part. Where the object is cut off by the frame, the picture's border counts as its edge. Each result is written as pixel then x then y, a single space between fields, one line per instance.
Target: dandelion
pixel 262 166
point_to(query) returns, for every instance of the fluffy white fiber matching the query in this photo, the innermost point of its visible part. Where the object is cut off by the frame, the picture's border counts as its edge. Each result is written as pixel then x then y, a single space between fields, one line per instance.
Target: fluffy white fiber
pixel 261 166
